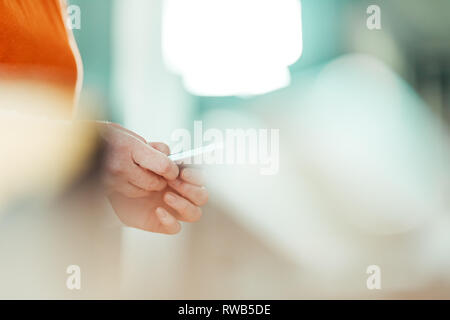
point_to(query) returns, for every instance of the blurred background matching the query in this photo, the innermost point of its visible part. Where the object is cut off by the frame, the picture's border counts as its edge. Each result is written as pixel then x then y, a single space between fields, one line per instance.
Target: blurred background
pixel 364 148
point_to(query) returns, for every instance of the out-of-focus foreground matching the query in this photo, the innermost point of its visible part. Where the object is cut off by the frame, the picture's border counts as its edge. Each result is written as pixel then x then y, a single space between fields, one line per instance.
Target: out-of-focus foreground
pixel 364 155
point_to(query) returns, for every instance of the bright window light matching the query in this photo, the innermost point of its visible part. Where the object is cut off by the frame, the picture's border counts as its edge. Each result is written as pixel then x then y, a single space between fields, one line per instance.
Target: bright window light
pixel 232 47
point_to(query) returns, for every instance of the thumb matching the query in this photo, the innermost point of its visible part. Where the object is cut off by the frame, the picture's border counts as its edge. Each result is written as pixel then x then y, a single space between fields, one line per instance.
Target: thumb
pixel 161 147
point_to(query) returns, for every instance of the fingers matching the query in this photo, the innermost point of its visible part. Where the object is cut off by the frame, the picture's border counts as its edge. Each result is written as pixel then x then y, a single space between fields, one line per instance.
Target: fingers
pixel 160 146
pixel 122 186
pixel 170 224
pixel 198 195
pixel 187 211
pixel 131 191
pixel 192 176
pixel 154 160
pixel 122 172
pixel 145 179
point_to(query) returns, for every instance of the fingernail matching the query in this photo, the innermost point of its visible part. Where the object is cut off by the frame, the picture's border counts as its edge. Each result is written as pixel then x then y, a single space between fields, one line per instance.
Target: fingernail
pixel 171 198
pixel 161 213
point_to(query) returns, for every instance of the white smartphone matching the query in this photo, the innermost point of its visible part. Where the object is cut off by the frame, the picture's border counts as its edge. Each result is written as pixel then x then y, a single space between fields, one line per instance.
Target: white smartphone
pixel 182 157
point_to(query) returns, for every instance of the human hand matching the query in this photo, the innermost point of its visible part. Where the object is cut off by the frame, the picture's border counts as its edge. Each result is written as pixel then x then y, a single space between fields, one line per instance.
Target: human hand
pixel 133 167
pixel 161 211
pixel 141 179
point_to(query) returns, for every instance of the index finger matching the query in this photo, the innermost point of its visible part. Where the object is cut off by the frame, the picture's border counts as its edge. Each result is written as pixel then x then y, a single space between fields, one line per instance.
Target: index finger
pixel 151 159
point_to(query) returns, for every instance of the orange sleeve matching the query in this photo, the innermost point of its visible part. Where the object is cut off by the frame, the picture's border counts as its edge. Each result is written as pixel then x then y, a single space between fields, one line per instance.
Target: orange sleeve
pixel 34 43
